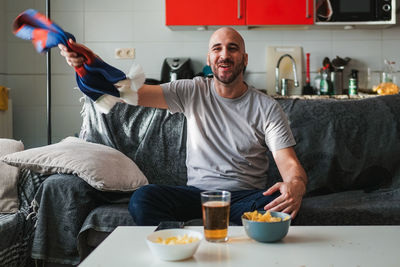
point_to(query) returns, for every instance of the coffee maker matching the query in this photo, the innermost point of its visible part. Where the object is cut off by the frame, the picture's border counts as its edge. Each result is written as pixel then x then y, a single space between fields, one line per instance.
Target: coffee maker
pixel 338 64
pixel 176 68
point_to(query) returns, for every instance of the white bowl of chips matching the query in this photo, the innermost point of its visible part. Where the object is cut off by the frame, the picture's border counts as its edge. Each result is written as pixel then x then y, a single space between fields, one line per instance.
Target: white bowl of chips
pixel 174 244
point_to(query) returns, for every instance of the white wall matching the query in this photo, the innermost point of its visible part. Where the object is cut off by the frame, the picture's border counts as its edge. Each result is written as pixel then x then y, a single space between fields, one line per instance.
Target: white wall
pixel 104 25
pixel 2 40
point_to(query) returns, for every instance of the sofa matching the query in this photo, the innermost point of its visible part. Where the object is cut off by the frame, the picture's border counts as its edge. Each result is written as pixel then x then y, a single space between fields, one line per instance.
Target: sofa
pixel 350 149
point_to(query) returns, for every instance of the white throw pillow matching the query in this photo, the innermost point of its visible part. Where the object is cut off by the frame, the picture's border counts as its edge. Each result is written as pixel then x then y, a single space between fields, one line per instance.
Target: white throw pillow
pixel 103 167
pixel 9 177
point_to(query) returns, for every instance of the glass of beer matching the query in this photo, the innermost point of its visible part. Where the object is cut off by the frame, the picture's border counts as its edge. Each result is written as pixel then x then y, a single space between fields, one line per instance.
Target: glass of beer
pixel 216 206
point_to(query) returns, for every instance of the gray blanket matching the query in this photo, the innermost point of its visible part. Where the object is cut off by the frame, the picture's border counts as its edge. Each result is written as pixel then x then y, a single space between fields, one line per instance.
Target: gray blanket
pixel 345 144
pixel 65 201
pixel 16 230
pixel 153 138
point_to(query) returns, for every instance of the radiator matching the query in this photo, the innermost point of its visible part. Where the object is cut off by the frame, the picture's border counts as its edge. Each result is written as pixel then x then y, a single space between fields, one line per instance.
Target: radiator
pixel 6 125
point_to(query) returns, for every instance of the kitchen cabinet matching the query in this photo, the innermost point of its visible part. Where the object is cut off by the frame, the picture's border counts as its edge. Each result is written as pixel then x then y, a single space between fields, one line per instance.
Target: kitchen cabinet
pixel 239 12
pixel 278 12
pixel 205 12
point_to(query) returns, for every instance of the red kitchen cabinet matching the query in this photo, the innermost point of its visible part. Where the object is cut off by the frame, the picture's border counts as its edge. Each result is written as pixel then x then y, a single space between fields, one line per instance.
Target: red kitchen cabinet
pixel 205 12
pixel 279 12
pixel 239 12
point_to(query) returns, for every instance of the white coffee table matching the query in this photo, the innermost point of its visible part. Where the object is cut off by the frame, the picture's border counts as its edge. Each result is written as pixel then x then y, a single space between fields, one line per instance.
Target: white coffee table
pixel 304 246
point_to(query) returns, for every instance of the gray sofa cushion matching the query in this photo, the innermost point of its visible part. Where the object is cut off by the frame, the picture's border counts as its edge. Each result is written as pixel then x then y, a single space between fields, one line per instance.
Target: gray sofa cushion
pixel 9 177
pixel 101 166
pixel 351 208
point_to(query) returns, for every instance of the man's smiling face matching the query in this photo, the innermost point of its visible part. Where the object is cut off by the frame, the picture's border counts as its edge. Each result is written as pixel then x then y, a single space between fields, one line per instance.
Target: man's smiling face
pixel 226 55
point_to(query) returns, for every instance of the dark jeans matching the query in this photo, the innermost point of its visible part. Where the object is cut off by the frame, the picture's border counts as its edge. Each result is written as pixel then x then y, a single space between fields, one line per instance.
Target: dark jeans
pixel 151 204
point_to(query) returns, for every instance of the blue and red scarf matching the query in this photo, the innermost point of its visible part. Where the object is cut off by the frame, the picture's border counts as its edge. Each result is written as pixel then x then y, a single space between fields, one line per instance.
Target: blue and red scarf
pixel 94 78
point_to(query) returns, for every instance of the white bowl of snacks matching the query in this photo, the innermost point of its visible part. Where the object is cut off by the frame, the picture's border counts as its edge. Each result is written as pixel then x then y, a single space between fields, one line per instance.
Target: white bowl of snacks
pixel 174 244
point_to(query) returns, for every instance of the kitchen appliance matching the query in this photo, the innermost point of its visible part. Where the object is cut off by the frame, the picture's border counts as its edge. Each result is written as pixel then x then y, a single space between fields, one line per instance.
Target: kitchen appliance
pixel 176 68
pixel 338 64
pixel 355 10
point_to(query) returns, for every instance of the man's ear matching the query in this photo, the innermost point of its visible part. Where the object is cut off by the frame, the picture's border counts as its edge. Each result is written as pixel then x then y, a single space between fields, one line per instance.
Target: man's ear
pixel 246 59
pixel 208 59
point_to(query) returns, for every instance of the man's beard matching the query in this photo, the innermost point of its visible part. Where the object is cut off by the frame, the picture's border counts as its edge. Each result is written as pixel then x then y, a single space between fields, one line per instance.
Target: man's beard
pixel 238 69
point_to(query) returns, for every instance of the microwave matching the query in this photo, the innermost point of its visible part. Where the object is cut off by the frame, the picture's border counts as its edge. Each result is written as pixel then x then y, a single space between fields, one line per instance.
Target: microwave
pixel 355 10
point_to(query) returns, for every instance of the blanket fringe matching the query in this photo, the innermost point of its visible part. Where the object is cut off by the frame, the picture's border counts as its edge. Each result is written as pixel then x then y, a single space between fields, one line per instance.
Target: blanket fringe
pixel 34 207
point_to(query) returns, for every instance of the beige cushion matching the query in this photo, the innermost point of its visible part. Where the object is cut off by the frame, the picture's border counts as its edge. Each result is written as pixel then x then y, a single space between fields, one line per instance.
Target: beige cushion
pixel 102 167
pixel 9 177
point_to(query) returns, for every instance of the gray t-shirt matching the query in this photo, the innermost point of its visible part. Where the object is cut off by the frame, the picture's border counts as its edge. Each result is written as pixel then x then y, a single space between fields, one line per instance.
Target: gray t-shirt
pixel 227 139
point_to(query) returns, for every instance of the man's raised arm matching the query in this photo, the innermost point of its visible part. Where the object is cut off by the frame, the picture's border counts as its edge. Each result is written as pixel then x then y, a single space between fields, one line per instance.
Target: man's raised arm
pixel 132 91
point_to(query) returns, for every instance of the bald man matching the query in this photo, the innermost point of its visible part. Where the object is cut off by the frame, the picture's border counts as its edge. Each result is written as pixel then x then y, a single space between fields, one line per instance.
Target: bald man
pixel 230 128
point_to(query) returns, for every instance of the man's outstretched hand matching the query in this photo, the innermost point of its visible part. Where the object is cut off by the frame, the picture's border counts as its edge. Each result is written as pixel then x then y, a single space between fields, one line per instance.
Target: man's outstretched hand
pixel 290 199
pixel 72 58
pixel 293 186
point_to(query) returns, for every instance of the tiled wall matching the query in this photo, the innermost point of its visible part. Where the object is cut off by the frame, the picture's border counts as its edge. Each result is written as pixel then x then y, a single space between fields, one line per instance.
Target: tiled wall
pixel 2 40
pixel 104 25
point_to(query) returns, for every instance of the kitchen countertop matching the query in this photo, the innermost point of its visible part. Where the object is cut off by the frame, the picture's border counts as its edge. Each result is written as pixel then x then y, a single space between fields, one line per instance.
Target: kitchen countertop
pixel 359 96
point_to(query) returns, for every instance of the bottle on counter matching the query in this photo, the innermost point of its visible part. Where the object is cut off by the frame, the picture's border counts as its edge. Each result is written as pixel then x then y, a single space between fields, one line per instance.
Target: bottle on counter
pixel 307 88
pixel 325 87
pixel 353 82
pixel 317 82
pixel 388 70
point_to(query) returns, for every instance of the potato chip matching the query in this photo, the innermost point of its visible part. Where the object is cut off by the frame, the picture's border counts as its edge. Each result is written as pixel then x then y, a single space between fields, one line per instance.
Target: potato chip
pixel 174 240
pixel 266 217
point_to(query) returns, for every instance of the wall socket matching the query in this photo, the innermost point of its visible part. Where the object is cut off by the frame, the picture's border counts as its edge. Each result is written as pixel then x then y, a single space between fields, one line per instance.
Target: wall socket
pixel 123 53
